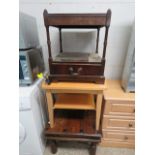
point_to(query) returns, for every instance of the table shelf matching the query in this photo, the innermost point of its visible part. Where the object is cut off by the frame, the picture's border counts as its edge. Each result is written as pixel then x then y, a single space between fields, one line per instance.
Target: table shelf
pixel 75 101
pixel 75 123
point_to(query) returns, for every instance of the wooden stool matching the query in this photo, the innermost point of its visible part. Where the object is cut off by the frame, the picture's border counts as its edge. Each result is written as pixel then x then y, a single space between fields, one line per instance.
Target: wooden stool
pixel 75 111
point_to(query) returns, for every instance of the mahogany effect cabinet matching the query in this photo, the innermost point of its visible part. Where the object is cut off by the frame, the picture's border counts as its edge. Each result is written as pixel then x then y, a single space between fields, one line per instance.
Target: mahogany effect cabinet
pixel 77 66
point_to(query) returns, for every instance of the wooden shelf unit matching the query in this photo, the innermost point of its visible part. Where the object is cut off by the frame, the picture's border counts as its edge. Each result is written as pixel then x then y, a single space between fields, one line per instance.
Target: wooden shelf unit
pixel 74 101
pixel 77 66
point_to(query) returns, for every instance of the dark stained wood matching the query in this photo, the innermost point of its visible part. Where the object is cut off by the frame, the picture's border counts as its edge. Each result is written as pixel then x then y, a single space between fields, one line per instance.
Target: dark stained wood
pixel 97 39
pixel 60 36
pixel 108 19
pixel 75 20
pixel 53 146
pixel 80 69
pixel 69 123
pixel 48 35
pixel 83 72
pixel 48 42
pixel 105 43
pixel 92 149
pixel 74 126
pixel 73 139
pixel 81 78
pixel 93 71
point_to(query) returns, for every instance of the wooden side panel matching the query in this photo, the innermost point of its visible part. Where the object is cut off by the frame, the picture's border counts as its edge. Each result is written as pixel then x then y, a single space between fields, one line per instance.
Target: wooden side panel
pixel 76 20
pixel 80 20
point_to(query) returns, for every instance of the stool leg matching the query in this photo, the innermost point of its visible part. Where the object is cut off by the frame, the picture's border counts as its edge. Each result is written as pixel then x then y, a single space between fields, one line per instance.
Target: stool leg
pixel 92 149
pixel 53 147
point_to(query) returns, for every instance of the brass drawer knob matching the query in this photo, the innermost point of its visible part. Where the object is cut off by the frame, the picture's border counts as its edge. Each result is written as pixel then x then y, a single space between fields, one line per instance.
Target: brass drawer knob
pixel 130 125
pixel 134 110
pixel 72 72
pixel 126 138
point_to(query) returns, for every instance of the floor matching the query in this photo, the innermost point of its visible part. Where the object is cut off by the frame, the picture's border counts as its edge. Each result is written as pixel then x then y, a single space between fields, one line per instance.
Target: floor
pixel 81 149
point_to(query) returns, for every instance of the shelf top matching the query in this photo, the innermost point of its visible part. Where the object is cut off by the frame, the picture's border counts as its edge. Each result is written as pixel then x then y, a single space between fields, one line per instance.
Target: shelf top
pixel 74 86
pixel 115 92
pixel 77 20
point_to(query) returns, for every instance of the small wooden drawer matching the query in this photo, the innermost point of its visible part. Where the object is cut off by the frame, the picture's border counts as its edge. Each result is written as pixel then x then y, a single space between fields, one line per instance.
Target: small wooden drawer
pixel 76 69
pixel 119 136
pixel 126 108
pixel 119 122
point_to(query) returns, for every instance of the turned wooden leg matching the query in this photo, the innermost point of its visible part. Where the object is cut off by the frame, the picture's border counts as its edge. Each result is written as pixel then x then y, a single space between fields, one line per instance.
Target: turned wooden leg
pixel 92 149
pixel 53 147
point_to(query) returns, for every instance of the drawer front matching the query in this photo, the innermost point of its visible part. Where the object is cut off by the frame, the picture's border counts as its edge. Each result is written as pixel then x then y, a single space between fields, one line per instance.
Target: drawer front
pixel 111 143
pixel 118 123
pixel 120 108
pixel 119 136
pixel 76 69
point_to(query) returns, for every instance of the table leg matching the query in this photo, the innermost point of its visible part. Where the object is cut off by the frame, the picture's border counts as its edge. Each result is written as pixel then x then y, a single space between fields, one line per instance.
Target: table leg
pixel 50 108
pixel 92 149
pixel 53 147
pixel 98 110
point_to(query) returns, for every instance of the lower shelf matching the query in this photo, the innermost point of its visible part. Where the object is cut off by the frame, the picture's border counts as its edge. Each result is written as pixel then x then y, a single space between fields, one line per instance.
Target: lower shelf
pixel 75 101
pixel 73 123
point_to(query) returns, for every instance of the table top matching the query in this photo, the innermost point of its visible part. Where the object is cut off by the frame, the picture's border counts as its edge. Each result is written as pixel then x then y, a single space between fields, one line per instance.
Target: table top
pixel 74 86
pixel 114 91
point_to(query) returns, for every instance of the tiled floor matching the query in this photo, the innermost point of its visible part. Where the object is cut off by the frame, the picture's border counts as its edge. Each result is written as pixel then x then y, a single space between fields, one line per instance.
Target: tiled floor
pixel 81 149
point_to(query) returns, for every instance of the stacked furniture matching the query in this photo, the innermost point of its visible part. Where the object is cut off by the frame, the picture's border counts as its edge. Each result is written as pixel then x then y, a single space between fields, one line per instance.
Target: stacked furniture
pixel 74 105
pixel 75 87
pixel 119 116
pixel 75 108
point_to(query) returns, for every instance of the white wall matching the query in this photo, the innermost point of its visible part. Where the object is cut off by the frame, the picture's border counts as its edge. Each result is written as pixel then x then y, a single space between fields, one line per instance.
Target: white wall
pixel 119 32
